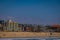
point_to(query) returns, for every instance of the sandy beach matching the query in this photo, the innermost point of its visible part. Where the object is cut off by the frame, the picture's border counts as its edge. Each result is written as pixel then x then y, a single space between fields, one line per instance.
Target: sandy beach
pixel 28 34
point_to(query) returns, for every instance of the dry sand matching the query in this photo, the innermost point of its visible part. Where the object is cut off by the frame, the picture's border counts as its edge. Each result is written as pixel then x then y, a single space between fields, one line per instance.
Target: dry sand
pixel 28 34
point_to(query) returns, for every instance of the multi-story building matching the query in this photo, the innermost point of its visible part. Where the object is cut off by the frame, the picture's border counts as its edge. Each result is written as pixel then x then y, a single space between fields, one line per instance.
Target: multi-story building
pixel 20 28
pixel 15 26
pixel 2 24
pixel 11 26
pixel 56 27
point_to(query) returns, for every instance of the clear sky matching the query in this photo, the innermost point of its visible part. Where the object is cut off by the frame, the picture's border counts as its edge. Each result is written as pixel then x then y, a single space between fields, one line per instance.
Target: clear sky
pixel 31 11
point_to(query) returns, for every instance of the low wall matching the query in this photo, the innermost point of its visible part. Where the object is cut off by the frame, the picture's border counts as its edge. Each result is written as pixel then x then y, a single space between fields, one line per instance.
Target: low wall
pixel 28 34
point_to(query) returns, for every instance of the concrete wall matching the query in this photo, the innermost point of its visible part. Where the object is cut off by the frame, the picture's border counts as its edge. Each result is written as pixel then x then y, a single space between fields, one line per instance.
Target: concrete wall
pixel 28 34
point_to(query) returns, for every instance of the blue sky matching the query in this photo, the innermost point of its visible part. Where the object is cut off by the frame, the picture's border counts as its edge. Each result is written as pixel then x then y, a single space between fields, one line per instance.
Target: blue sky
pixel 31 11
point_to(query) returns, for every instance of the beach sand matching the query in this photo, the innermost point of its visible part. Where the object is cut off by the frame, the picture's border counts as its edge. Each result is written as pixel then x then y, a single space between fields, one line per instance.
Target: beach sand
pixel 28 34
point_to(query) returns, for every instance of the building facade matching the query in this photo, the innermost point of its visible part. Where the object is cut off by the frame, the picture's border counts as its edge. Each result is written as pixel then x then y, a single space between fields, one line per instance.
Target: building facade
pixel 11 26
pixel 2 24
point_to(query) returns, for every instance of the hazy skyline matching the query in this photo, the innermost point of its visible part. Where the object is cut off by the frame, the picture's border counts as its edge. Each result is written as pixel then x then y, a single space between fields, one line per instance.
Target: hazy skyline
pixel 31 11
